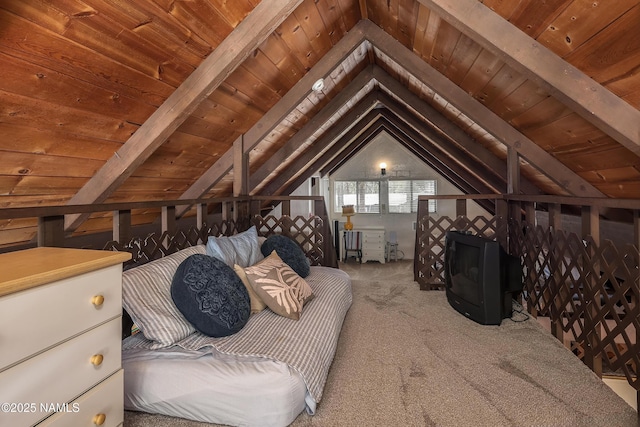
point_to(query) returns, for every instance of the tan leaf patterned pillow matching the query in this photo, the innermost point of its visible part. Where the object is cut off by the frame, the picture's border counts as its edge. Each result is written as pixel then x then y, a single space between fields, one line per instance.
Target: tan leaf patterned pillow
pixel 281 288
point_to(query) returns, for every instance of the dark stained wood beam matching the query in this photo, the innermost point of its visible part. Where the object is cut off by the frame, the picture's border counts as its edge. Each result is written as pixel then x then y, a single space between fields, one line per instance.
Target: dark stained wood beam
pixel 327 64
pixel 231 52
pixel 354 88
pixel 359 127
pixel 439 123
pixel 442 163
pixel 476 111
pixel 240 168
pixel 565 82
pixel 305 161
pixel 352 144
pixel 449 164
pixel 432 156
pixel 395 93
pixel 424 140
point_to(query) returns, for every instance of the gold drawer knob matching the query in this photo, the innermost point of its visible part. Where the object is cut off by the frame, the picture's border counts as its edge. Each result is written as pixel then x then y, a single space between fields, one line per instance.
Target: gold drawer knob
pixel 97 300
pixel 96 359
pixel 99 419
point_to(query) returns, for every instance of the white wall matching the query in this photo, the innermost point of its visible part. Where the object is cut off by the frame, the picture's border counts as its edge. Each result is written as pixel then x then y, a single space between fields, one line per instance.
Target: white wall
pixel 400 163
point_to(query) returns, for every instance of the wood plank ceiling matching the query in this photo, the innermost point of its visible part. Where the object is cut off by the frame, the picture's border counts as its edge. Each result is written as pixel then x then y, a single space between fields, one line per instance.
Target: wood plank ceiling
pixel 557 81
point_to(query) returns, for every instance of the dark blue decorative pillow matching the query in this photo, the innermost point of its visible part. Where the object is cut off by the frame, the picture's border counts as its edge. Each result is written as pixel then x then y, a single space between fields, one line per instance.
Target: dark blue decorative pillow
pixel 289 251
pixel 210 295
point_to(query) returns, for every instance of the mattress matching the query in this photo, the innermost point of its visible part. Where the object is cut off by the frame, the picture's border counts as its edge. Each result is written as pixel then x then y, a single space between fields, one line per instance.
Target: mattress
pixel 264 375
pixel 209 386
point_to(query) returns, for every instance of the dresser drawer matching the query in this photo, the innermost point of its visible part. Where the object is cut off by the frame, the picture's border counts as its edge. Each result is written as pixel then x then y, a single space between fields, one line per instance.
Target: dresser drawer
pixel 373 254
pixel 107 398
pixel 62 373
pixel 40 317
pixel 373 236
pixel 377 246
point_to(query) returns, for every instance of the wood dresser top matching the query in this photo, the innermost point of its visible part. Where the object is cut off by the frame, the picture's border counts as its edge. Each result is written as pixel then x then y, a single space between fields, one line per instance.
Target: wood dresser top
pixel 26 269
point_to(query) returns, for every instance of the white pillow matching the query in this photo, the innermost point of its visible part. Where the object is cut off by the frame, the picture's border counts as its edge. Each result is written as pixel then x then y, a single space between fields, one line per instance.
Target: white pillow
pixel 242 249
pixel 146 295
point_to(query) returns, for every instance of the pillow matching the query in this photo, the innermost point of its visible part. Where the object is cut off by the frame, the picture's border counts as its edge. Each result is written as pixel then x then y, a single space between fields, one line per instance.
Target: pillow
pixel 289 251
pixel 257 305
pixel 147 298
pixel 210 295
pixel 242 249
pixel 281 288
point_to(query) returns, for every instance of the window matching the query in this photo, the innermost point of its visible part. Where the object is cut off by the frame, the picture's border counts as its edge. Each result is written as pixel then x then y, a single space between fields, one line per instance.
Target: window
pixel 403 194
pixel 363 195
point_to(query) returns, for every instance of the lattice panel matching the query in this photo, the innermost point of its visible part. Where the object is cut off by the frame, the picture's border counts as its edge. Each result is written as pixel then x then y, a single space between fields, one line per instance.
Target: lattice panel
pixel 430 242
pixel 307 231
pixel 588 290
pixel 145 249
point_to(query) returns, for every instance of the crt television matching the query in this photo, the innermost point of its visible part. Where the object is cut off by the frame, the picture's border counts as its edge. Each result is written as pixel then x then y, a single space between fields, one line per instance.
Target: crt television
pixel 481 279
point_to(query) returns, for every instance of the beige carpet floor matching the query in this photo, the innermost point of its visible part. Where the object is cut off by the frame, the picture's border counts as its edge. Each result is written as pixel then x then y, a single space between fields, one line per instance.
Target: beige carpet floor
pixel 406 358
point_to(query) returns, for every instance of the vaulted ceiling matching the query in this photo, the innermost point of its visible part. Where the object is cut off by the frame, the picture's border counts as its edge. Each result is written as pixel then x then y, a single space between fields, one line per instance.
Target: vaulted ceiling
pixel 108 100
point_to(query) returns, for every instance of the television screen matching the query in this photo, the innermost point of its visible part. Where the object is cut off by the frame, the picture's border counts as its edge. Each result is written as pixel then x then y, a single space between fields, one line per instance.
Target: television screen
pixel 480 277
pixel 464 270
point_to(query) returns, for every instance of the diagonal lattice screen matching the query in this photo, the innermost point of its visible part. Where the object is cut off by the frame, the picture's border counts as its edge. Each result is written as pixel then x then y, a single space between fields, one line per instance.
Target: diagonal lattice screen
pixel 588 291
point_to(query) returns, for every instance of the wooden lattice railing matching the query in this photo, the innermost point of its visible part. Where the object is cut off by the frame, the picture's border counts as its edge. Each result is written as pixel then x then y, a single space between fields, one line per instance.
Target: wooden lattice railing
pixel 309 232
pixel 170 233
pixel 588 290
pixel 586 287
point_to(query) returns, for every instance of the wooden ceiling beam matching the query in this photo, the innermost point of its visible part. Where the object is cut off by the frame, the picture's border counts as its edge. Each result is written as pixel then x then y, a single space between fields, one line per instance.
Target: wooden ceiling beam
pixel 358 127
pixel 456 174
pixel 327 64
pixel 447 128
pixel 585 96
pixel 476 111
pixel 436 159
pixel 353 89
pixel 306 159
pixel 425 140
pixel 231 52
pixel 351 143
pixel 366 129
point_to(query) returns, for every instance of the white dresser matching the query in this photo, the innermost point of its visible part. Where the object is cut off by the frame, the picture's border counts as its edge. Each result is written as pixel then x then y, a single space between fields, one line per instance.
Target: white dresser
pixel 373 243
pixel 60 335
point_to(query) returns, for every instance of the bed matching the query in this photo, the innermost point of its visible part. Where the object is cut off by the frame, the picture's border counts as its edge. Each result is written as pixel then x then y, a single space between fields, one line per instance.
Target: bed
pixel 266 374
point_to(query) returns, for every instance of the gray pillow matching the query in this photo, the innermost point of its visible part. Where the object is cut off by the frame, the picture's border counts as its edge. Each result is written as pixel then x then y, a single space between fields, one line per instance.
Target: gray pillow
pixel 211 296
pixel 289 251
pixel 242 248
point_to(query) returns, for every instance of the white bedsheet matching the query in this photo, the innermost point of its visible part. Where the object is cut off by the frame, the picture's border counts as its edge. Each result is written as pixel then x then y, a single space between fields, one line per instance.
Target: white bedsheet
pixel 242 391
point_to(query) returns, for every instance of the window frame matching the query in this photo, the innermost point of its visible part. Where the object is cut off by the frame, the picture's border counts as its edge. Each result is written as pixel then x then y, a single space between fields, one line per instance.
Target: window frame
pixel 433 205
pixel 359 205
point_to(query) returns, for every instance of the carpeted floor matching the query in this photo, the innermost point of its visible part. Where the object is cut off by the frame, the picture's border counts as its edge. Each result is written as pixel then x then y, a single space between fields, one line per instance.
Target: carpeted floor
pixel 406 358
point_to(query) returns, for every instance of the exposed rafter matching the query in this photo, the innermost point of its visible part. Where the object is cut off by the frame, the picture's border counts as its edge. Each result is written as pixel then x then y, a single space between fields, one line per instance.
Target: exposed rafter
pixel 234 49
pixel 503 131
pixel 278 112
pixel 330 110
pixel 404 96
pixel 195 89
pixel 584 95
pixel 386 45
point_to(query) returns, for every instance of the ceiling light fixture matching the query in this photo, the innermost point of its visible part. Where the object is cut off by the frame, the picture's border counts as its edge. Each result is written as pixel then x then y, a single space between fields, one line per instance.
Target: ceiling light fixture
pixel 318 85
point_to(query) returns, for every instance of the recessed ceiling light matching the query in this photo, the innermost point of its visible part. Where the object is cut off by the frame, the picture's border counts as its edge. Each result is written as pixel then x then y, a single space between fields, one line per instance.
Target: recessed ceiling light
pixel 318 85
